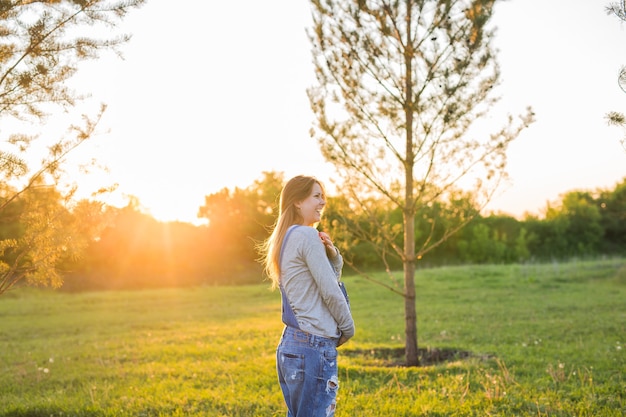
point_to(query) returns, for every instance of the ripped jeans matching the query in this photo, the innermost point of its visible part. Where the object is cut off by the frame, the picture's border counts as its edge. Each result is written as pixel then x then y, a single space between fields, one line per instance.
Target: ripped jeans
pixel 307 372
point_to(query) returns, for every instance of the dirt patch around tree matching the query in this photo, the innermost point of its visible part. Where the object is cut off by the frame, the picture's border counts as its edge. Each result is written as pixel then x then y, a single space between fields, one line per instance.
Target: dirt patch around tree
pixel 393 357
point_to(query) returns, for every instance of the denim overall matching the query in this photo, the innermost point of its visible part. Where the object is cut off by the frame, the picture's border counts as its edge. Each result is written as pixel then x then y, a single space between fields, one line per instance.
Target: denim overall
pixel 306 366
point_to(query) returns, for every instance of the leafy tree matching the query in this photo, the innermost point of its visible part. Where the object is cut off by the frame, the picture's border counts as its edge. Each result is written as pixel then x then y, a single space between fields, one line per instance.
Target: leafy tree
pixel 522 241
pixel 612 207
pixel 585 232
pixel 41 45
pixel 485 246
pixel 399 87
pixel 136 251
pixel 238 220
pixel 572 227
pixel 42 235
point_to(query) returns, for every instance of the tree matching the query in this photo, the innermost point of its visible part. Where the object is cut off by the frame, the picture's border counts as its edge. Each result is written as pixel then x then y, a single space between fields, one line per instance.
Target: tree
pixel 137 251
pixel 42 235
pixel 617 118
pixel 399 87
pixel 612 206
pixel 42 43
pixel 238 221
pixel 585 231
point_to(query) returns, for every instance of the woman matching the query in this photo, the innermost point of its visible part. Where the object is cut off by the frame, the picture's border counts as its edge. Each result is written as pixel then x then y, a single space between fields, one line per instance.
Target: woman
pixel 306 266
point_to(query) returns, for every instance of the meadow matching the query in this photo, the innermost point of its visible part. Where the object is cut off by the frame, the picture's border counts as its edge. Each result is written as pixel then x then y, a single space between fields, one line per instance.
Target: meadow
pixel 513 340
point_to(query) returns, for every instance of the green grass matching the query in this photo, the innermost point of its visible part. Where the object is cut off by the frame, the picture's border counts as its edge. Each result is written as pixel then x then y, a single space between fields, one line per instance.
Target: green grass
pixel 541 340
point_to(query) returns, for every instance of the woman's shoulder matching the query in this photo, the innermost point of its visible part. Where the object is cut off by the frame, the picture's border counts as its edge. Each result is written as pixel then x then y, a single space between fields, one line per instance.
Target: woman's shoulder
pixel 306 232
pixel 306 238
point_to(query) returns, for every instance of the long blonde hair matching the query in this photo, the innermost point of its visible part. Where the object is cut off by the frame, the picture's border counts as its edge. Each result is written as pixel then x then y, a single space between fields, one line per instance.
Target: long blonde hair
pixel 296 190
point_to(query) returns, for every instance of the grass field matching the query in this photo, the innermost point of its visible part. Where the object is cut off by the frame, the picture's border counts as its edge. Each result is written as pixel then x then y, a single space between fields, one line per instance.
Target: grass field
pixel 531 340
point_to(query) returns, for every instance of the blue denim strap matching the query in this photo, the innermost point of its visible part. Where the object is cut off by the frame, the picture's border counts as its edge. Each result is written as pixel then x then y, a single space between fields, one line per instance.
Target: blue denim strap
pixel 288 316
pixel 342 287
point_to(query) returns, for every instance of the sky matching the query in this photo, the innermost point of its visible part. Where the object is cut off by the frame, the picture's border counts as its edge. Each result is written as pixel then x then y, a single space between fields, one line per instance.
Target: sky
pixel 209 95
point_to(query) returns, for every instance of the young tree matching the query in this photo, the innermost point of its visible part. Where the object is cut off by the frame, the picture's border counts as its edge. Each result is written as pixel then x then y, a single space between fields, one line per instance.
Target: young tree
pixel 617 118
pixel 41 45
pixel 399 87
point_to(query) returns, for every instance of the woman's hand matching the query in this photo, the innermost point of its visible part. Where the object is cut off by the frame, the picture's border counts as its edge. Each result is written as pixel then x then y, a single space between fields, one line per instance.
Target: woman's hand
pixel 342 340
pixel 331 250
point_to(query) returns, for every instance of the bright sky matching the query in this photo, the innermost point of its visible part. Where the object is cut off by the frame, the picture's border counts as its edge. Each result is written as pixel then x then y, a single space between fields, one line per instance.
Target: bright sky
pixel 211 94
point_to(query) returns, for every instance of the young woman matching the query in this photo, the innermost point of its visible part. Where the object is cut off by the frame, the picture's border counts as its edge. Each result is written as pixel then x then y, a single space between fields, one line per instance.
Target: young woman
pixel 306 266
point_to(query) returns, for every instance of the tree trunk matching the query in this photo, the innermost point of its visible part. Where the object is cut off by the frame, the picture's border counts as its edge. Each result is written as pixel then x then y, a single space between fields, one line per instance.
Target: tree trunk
pixel 410 312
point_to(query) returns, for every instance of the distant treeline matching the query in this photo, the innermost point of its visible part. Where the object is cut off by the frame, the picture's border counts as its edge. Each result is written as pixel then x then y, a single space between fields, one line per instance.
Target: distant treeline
pixel 136 251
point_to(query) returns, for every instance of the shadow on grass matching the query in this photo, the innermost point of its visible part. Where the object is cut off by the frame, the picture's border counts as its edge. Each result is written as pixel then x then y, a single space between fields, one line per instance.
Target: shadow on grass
pixel 396 356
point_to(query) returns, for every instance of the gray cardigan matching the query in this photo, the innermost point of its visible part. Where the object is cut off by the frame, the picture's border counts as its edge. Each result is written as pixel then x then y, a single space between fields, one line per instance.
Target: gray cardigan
pixel 309 278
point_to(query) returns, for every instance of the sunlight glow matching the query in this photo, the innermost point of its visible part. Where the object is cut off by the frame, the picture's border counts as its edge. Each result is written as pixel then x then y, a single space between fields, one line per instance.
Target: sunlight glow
pixel 171 143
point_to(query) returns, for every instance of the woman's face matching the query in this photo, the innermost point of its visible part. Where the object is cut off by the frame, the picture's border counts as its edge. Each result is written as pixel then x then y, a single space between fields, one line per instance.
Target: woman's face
pixel 311 207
